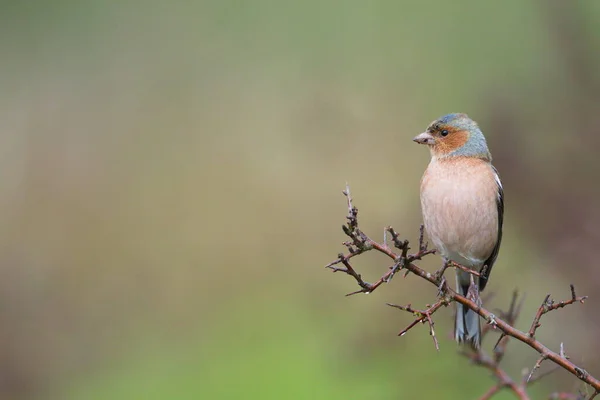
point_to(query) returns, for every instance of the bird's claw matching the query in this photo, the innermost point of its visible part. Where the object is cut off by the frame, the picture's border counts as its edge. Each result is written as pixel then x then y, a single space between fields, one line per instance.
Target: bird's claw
pixel 473 294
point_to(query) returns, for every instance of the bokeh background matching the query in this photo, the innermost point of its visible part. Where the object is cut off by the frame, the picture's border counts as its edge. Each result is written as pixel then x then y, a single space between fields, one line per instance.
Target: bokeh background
pixel 171 177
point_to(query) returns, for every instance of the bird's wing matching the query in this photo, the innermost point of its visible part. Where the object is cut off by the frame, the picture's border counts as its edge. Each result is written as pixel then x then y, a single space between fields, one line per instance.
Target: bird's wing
pixel 489 263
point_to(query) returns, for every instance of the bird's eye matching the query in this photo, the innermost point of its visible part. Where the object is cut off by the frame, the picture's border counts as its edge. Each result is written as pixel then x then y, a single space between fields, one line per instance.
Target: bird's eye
pixel 444 132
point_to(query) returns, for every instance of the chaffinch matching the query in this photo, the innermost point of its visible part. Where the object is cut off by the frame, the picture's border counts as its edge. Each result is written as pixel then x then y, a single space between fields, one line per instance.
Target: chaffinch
pixel 463 206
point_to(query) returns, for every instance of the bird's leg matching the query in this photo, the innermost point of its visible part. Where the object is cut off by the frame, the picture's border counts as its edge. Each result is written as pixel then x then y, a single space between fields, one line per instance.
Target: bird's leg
pixel 439 275
pixel 473 292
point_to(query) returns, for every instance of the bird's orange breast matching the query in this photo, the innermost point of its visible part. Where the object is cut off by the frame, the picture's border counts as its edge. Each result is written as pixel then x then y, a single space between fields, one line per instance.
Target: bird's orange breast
pixel 459 203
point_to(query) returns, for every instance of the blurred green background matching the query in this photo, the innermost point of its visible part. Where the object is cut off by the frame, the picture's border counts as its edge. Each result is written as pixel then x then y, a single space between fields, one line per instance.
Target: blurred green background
pixel 171 177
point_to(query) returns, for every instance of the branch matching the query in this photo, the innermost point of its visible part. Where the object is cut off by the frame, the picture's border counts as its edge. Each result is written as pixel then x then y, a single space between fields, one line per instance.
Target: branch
pixel 481 358
pixel 360 243
pixel 549 305
pixel 492 392
pixel 422 316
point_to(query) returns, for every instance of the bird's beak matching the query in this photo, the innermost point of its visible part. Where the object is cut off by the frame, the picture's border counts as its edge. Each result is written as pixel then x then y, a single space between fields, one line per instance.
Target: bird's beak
pixel 424 138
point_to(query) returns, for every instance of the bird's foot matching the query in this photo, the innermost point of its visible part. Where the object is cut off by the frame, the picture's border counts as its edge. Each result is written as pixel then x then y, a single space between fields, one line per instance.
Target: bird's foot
pixel 473 294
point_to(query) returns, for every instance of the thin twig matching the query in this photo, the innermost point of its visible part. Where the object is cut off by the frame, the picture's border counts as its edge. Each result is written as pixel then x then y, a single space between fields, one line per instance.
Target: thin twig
pixel 537 365
pixel 549 305
pixel 504 380
pixel 422 316
pixel 539 377
pixel 491 392
pixel 467 270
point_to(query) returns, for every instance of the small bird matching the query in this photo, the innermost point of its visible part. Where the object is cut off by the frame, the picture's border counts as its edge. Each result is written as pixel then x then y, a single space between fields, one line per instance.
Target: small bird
pixel 462 201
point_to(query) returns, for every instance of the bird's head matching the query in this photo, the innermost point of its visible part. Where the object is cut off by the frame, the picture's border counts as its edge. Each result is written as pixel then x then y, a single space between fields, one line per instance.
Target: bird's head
pixel 454 135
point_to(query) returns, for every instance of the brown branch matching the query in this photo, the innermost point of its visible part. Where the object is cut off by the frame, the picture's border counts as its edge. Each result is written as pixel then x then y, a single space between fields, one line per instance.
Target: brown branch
pixel 549 305
pixel 467 270
pixel 422 316
pixel 491 392
pixel 504 380
pixel 360 243
pixel 479 357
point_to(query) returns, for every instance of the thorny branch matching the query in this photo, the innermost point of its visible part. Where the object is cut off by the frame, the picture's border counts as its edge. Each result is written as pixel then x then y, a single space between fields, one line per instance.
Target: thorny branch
pixel 360 243
pixel 549 305
pixel 492 363
pixel 422 316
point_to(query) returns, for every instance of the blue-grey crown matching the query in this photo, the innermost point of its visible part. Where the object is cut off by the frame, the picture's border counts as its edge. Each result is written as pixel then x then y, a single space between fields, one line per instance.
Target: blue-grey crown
pixel 446 119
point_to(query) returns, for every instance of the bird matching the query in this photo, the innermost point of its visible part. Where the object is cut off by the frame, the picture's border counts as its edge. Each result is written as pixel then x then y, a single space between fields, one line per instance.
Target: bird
pixel 462 202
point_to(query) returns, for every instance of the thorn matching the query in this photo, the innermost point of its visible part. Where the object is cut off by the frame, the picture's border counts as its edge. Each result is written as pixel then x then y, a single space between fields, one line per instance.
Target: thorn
pixel 353 293
pixel 502 336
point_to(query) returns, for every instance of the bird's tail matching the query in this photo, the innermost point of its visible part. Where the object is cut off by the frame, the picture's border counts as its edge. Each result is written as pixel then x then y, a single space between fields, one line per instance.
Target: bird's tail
pixel 467 328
